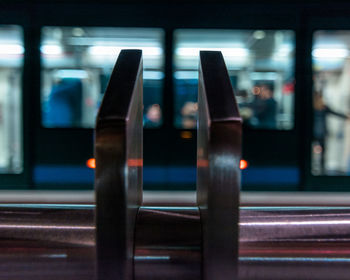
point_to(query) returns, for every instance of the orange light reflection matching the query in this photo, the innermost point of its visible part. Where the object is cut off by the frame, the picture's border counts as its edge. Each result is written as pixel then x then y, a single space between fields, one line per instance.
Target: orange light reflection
pixel 91 163
pixel 135 162
pixel 202 163
pixel 243 164
pixel 186 134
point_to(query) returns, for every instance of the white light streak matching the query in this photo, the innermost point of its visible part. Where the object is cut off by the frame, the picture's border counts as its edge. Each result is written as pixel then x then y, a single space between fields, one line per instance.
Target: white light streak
pixel 11 49
pixel 115 50
pixel 264 76
pixel 169 208
pixel 53 227
pixel 228 52
pixel 297 223
pixel 291 259
pixel 68 73
pixel 330 53
pixel 189 75
pixel 153 75
pixel 51 49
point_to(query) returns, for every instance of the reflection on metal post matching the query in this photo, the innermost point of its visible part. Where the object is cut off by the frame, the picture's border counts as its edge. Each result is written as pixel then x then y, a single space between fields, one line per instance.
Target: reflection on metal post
pixel 118 178
pixel 218 178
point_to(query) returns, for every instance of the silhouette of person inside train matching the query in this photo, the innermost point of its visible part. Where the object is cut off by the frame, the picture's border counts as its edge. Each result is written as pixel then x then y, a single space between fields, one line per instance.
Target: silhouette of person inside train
pixel 321 111
pixel 264 106
pixel 153 116
pixel 64 104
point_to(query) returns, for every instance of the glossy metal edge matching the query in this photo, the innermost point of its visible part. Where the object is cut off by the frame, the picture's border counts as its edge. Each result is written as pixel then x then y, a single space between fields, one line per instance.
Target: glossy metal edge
pixel 218 173
pixel 118 173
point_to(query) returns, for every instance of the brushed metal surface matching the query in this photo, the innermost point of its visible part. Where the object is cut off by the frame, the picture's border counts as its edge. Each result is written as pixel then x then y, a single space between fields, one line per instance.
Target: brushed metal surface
pixel 304 243
pixel 118 174
pixel 168 243
pixel 307 243
pixel 184 198
pixel 218 173
pixel 51 242
pixel 58 242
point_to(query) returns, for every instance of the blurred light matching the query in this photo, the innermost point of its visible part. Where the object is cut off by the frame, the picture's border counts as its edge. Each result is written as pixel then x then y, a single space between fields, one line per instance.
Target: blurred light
pixel 91 163
pixel 115 50
pixel 11 49
pixel 264 76
pixel 186 134
pixel 135 162
pixel 154 113
pixel 317 149
pixel 224 161
pixel 259 34
pixel 330 53
pixel 194 52
pixel 77 31
pixel 71 73
pixel 153 75
pixel 202 163
pixel 51 49
pixel 288 88
pixel 186 75
pixel 243 164
pixel 283 51
pixel 89 102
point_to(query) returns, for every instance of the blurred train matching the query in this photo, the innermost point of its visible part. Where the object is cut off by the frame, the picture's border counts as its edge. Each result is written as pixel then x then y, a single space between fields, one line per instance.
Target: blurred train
pixel 289 66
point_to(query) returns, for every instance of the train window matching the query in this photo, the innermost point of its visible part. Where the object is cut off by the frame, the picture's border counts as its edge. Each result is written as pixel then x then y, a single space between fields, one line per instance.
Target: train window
pixel 331 102
pixel 76 66
pixel 261 67
pixel 11 64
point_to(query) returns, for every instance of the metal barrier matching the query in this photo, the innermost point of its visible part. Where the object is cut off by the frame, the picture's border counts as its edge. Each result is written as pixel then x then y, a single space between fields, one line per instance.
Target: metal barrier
pixel 212 240
pixel 218 173
pixel 118 177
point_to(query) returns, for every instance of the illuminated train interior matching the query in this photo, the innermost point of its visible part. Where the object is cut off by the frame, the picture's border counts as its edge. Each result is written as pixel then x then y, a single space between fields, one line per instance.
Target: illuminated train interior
pixel 289 66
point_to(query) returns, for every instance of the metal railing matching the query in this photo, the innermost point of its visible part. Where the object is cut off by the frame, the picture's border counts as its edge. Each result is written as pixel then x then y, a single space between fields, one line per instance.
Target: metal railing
pixel 211 239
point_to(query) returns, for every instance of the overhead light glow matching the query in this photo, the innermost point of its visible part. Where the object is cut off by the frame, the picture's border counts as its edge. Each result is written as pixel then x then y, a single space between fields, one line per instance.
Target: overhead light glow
pixel 330 53
pixel 71 73
pixel 194 52
pixel 264 76
pixel 184 75
pixel 153 75
pixel 51 49
pixel 259 34
pixel 11 49
pixel 115 50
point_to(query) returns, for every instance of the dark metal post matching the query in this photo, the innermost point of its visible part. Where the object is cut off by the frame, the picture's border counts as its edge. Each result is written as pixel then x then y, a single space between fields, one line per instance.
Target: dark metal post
pixel 218 173
pixel 118 178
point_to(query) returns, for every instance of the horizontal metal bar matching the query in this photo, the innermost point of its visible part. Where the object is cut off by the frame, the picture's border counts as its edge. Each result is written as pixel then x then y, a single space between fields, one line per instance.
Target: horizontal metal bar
pixel 183 198
pixel 47 242
pixel 58 242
